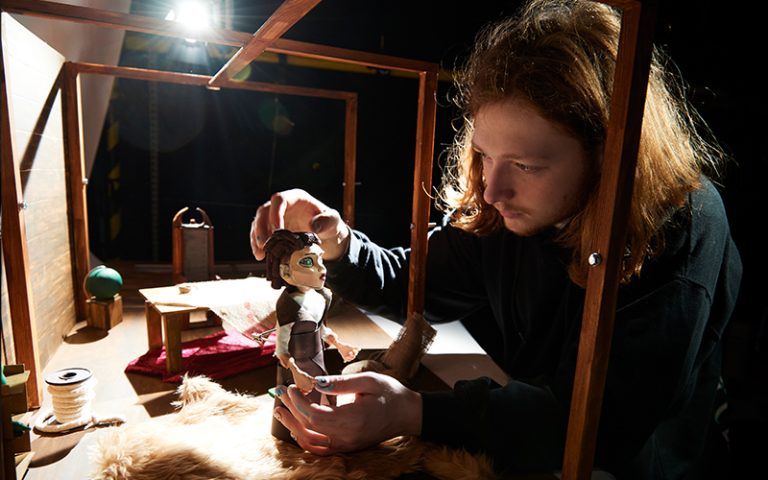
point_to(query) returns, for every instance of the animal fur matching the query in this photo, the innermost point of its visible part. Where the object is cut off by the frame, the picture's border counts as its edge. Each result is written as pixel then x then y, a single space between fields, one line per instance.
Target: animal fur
pixel 226 436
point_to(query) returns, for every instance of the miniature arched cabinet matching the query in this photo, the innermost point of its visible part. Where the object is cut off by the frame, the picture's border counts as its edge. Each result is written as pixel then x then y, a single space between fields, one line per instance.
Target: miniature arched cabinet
pixel 192 247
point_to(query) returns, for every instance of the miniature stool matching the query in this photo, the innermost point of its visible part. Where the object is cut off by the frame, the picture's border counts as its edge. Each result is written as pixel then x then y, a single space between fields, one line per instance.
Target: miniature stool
pixel 105 314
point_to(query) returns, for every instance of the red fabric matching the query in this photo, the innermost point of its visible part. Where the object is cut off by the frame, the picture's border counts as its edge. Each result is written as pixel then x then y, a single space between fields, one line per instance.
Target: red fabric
pixel 220 355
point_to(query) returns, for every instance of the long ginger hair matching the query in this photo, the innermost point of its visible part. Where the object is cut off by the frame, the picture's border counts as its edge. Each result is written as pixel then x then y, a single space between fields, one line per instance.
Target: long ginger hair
pixel 560 56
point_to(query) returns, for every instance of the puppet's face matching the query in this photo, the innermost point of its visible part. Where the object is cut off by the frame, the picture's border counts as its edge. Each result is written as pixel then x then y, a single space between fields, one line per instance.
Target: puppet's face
pixel 305 268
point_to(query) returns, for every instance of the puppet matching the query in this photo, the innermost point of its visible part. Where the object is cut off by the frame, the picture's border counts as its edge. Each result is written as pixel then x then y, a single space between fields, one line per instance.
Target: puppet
pixel 295 261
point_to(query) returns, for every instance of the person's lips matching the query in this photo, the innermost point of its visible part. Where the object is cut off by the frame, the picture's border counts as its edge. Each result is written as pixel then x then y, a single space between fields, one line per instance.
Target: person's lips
pixel 510 213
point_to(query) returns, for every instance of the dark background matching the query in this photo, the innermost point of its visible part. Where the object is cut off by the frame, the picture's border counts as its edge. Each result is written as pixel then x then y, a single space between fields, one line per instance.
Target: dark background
pixel 219 150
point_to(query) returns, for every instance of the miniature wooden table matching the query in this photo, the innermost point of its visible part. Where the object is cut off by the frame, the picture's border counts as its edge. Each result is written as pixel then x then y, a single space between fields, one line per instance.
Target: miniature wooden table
pixel 168 309
pixel 168 319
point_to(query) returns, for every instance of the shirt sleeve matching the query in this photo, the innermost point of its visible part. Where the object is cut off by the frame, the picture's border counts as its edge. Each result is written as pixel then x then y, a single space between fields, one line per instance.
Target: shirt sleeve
pixel 326 332
pixel 376 278
pixel 283 336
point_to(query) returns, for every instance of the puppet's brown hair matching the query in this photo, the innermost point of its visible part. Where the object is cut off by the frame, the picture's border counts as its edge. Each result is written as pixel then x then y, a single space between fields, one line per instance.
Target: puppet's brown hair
pixel 279 248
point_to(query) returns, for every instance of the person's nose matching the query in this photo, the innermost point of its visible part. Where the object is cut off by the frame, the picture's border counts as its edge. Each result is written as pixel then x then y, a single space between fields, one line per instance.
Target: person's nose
pixel 498 187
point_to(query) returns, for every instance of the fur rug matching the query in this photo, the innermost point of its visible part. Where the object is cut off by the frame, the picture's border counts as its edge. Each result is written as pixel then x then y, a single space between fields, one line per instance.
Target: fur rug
pixel 223 435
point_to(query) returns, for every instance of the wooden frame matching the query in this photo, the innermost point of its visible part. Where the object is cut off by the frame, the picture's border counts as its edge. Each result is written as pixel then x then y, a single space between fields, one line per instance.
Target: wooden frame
pixel 283 18
pixel 614 192
pixel 350 99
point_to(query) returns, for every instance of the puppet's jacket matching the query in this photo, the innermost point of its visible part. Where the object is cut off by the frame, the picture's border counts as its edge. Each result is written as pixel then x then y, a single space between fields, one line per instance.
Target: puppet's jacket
pixel 306 342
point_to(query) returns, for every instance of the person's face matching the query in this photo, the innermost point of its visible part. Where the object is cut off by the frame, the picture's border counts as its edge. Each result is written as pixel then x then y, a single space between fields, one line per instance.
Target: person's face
pixel 305 268
pixel 534 172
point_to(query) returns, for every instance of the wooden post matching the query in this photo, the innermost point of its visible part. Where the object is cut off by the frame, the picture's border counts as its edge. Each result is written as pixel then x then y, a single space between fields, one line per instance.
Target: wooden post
pixel 422 184
pixel 350 159
pixel 77 184
pixel 15 254
pixel 615 194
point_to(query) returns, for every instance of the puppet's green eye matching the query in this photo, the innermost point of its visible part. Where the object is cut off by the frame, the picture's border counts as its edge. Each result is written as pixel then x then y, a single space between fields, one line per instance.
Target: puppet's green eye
pixel 307 262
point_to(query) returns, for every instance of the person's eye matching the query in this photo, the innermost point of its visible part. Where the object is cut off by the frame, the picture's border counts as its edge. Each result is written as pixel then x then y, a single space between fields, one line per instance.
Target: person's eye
pixel 307 262
pixel 478 155
pixel 527 168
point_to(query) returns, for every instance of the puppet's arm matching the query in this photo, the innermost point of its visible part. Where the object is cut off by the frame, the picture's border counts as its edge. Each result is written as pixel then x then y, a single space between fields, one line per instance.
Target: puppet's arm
pixel 302 379
pixel 347 351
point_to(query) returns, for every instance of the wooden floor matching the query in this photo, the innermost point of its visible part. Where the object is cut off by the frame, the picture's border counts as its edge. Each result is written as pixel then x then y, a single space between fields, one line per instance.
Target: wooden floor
pixel 139 397
pixel 136 397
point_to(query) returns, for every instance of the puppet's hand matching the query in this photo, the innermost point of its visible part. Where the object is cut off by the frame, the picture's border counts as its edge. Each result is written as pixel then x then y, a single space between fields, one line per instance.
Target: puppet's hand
pixel 348 352
pixel 285 360
pixel 304 381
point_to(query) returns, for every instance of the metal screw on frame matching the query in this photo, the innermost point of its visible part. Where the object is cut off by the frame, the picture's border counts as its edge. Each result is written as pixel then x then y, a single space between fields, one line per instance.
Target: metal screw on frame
pixel 23 205
pixel 594 259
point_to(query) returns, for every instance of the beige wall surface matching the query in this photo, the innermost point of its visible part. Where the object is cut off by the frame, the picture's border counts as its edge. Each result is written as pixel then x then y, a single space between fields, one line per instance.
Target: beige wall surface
pixel 86 43
pixel 34 102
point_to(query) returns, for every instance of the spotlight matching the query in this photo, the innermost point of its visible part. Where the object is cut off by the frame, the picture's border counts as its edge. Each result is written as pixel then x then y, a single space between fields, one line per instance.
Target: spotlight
pixel 195 14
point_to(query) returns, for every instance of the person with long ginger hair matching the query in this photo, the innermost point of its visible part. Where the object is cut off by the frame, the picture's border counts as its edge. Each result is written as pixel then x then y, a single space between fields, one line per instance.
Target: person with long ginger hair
pixel 510 261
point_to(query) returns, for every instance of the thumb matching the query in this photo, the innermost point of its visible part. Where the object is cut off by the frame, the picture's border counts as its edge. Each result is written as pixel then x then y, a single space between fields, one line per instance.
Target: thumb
pixel 366 382
pixel 326 224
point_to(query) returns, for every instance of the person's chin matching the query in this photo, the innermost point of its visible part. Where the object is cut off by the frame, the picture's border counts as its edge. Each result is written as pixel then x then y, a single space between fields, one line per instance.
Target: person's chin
pixel 520 227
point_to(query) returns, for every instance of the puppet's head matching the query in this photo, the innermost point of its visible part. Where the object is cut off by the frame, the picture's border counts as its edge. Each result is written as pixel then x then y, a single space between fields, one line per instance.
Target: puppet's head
pixel 295 259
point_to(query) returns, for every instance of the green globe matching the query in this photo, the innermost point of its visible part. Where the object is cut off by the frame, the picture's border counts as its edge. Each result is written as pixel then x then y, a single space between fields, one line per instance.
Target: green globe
pixel 103 283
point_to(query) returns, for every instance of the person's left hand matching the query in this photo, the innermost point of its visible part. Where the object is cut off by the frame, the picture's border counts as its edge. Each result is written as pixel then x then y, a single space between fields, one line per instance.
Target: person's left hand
pixel 382 409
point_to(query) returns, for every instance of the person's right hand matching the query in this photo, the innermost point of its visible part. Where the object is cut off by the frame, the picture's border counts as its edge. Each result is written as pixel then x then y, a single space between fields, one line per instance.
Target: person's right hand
pixel 298 211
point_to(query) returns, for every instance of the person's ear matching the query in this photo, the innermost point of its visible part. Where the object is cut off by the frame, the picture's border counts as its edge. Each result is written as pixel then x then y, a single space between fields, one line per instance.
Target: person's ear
pixel 285 272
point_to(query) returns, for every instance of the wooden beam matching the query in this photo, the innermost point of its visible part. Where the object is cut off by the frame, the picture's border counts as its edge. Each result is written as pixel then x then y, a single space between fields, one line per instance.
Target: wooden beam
pixel 615 194
pixel 155 26
pixel 290 90
pixel 202 81
pixel 323 52
pixel 142 74
pixel 76 185
pixel 15 254
pixel 286 15
pixel 350 160
pixel 422 186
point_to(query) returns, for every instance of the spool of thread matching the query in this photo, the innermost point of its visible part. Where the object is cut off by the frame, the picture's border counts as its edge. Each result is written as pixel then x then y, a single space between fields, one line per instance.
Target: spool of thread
pixel 72 393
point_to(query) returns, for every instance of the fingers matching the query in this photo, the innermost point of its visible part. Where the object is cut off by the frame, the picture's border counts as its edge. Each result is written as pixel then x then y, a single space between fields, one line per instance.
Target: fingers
pixel 326 224
pixel 298 211
pixel 277 211
pixel 309 440
pixel 260 231
pixel 360 383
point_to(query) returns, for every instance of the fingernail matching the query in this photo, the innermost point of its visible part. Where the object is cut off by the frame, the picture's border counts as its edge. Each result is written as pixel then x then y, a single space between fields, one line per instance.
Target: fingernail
pixel 275 391
pixel 323 383
pixel 277 415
